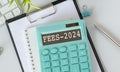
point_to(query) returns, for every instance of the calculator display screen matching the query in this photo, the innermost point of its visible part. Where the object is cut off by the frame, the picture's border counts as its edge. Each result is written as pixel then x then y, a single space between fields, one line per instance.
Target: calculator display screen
pixel 63 36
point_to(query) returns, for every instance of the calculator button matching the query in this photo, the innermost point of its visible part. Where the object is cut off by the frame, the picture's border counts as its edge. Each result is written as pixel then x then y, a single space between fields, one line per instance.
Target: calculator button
pixel 83 59
pixel 73 54
pixel 81 46
pixel 74 68
pixel 47 70
pixel 64 62
pixel 45 52
pixel 46 64
pixel 63 49
pixel 54 57
pixel 45 58
pixel 73 60
pixel 63 55
pixel 72 47
pixel 56 69
pixel 54 50
pixel 65 68
pixel 84 65
pixel 85 70
pixel 55 63
pixel 82 52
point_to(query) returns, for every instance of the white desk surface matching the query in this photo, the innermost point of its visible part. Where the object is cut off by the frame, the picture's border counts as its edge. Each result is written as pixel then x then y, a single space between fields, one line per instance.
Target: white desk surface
pixel 105 12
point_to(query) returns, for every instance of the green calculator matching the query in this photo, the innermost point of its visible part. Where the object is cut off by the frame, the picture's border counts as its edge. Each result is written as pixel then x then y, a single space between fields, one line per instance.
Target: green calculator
pixel 63 47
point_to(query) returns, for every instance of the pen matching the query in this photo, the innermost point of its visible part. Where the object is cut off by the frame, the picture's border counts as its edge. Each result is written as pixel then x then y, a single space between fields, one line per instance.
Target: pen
pixel 102 29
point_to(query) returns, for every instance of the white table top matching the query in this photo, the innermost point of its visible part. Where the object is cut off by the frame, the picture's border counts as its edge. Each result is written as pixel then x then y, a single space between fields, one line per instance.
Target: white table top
pixel 105 12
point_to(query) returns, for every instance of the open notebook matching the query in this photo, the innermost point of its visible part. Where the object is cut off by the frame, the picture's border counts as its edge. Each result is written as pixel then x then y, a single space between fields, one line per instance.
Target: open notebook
pixel 60 10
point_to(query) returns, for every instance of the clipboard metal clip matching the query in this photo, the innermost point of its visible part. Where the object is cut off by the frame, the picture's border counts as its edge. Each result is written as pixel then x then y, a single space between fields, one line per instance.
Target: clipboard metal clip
pixel 47 11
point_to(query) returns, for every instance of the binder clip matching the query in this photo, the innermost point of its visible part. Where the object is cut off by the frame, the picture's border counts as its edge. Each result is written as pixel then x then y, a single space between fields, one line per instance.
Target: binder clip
pixel 86 12
pixel 1 50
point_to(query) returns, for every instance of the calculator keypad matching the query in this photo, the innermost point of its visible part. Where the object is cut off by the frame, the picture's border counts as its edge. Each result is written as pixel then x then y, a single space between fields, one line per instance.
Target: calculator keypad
pixel 73 58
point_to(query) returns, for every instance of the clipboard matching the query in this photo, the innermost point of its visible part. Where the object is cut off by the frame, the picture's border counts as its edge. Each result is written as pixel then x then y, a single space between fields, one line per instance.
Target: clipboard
pixel 20 23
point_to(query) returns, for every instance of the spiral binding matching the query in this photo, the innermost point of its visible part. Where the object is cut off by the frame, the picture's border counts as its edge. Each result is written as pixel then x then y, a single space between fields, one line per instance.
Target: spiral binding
pixel 30 51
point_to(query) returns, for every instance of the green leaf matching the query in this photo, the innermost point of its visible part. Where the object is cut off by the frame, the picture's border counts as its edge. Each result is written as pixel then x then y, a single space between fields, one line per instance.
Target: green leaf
pixel 28 10
pixel 11 2
pixel 34 6
pixel 23 3
pixel 28 1
pixel 18 3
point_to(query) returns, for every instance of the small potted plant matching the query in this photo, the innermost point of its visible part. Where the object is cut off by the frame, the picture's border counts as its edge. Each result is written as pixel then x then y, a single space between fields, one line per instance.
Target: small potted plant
pixel 24 3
